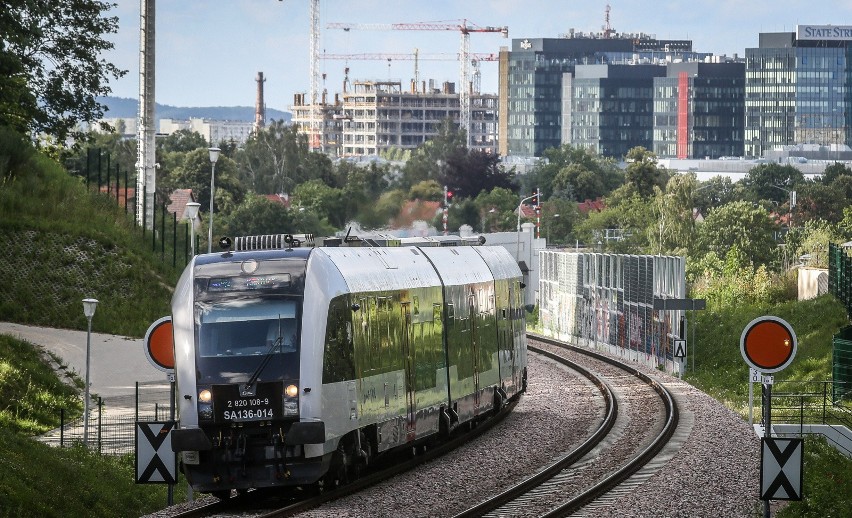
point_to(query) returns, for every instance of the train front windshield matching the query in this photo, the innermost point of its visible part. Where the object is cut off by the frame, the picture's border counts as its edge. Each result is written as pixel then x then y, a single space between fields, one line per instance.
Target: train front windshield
pixel 246 327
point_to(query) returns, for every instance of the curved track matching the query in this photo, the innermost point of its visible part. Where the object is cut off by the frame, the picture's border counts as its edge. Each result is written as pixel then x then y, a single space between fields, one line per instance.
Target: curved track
pixel 576 475
pixel 564 475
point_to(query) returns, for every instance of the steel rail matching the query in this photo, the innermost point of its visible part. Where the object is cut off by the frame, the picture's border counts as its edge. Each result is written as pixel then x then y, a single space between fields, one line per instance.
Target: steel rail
pixel 565 462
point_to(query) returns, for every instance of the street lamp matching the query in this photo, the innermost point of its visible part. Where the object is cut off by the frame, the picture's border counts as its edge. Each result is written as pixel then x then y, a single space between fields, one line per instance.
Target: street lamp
pixel 89 306
pixel 214 156
pixel 191 212
pixel 547 238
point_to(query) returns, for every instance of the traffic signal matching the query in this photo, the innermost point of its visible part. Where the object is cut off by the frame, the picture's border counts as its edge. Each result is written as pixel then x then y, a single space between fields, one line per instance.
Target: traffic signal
pixel 535 199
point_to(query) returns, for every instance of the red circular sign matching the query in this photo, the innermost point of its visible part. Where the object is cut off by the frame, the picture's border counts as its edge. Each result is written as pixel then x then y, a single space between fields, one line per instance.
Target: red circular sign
pixel 768 344
pixel 159 345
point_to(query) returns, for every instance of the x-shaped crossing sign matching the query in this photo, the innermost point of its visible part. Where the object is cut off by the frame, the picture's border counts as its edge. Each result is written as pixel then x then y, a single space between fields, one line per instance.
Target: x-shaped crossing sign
pixel 781 463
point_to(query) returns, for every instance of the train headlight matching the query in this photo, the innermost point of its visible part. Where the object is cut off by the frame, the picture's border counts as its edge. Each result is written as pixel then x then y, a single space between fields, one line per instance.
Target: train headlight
pixel 291 401
pixel 291 391
pixel 205 406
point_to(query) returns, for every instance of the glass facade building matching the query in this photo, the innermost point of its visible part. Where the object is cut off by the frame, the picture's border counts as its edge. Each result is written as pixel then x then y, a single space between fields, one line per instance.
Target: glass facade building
pixel 698 110
pixel 799 88
pixel 535 104
pixel 611 109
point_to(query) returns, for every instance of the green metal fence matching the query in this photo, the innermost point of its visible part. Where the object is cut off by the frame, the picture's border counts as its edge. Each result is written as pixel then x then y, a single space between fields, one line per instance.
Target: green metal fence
pixel 840 285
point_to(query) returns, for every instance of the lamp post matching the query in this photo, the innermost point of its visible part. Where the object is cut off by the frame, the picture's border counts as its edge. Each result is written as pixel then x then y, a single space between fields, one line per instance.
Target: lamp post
pixel 520 206
pixel 191 212
pixel 214 156
pixel 89 306
pixel 553 219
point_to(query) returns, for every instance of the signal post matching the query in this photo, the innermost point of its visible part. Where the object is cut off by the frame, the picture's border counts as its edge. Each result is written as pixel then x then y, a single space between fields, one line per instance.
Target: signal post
pixel 768 344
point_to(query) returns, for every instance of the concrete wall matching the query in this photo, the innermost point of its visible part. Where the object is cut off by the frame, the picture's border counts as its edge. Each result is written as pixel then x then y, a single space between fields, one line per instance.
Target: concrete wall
pixel 812 282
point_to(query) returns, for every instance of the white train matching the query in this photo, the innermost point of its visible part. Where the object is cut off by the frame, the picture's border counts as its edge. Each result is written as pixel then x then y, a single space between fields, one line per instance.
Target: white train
pixel 297 365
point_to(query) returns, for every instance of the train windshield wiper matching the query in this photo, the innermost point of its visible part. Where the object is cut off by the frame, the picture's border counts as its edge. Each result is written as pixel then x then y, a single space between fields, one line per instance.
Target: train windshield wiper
pixel 266 357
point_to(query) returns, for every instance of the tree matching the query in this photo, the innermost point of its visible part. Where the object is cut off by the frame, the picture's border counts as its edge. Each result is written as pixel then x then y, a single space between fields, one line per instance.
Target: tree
pixel 427 190
pixel 810 243
pixel 431 160
pixel 738 224
pixel 121 153
pixel 182 141
pixel 50 70
pixel 273 160
pixel 558 219
pixel 471 173
pixel 643 173
pixel 835 171
pixel 194 173
pixel 574 173
pixel 496 210
pixel 257 215
pixel 818 201
pixel 628 214
pixel 675 222
pixel 318 198
pixel 771 182
pixel 715 192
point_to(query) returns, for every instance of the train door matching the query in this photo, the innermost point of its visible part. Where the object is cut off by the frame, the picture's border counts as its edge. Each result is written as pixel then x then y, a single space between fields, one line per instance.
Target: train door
pixel 513 327
pixel 408 352
pixel 474 346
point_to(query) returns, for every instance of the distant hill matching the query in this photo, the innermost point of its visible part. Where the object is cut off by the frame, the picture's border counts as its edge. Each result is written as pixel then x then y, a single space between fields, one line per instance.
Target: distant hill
pixel 122 107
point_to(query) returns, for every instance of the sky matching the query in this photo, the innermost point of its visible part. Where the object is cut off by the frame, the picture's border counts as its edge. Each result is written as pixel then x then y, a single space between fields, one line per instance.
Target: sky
pixel 209 52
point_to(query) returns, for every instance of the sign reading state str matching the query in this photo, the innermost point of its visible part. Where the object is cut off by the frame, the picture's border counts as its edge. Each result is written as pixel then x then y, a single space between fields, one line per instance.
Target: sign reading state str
pixel 824 32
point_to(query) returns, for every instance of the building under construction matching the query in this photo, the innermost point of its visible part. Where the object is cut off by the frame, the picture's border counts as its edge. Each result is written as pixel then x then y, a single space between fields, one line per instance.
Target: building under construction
pixel 374 117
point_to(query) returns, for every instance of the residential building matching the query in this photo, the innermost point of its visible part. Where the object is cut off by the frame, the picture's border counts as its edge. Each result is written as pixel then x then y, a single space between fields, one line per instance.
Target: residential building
pixel 799 88
pixel 377 116
pixel 213 131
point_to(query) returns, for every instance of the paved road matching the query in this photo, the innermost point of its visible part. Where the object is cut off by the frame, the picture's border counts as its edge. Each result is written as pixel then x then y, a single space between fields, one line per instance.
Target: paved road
pixel 117 363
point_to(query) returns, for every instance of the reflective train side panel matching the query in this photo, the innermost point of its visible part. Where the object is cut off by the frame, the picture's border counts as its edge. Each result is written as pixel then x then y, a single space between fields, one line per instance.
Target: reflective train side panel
pixel 299 365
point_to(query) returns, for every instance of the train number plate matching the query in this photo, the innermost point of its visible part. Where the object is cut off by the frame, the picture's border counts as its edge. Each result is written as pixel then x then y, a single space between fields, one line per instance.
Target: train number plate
pixel 263 405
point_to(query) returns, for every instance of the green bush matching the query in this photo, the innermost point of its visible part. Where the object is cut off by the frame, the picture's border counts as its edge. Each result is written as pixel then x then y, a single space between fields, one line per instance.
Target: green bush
pixel 827 479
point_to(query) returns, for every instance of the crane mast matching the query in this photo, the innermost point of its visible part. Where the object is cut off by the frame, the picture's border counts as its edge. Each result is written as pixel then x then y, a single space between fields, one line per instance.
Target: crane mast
pixel 315 133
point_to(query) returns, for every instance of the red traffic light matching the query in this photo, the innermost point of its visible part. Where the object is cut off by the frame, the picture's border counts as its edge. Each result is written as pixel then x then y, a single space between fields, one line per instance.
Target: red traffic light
pixel 449 194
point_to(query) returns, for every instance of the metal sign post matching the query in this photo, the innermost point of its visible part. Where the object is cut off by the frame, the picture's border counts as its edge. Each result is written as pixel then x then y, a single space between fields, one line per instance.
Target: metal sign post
pixel 768 344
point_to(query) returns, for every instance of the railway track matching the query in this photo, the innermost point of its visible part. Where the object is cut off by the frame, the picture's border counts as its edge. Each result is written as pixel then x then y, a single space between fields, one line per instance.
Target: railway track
pixel 298 501
pixel 602 464
pixel 569 474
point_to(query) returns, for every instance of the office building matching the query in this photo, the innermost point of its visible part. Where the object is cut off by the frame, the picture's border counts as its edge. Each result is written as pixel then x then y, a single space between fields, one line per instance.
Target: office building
pixel 699 110
pixel 531 78
pixel 798 88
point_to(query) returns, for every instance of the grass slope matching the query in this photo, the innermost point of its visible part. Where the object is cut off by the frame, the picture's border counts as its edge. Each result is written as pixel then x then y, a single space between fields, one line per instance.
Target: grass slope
pixel 39 481
pixel 64 243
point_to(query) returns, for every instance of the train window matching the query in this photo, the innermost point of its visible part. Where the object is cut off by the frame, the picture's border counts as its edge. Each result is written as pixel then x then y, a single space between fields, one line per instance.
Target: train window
pixel 338 361
pixel 247 327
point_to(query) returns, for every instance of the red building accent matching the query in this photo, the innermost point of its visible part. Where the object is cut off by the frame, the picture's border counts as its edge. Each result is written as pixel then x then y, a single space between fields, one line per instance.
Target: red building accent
pixel 683 115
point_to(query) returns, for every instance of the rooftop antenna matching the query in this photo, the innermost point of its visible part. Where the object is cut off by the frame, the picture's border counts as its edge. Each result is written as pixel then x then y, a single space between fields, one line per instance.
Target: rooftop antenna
pixel 607 28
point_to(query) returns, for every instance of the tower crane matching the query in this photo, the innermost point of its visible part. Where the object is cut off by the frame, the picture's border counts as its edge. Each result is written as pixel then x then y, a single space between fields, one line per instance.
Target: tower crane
pixel 462 26
pixel 416 56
